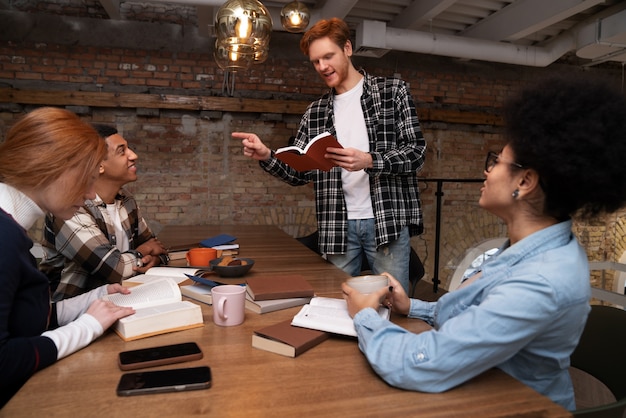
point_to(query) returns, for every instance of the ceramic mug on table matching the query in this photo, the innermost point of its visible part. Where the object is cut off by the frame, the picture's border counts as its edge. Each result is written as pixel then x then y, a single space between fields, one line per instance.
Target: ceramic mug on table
pixel 368 284
pixel 229 304
pixel 200 257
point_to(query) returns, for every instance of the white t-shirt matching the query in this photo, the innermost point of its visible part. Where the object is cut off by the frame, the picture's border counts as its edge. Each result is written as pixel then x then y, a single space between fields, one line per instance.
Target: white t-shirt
pixel 121 240
pixel 352 133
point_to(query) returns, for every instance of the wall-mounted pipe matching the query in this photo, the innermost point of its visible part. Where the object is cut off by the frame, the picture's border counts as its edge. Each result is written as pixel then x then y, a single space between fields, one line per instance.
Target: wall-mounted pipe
pixel 374 38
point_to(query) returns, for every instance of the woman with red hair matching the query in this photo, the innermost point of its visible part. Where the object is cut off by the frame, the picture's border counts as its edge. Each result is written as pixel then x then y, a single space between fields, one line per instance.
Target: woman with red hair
pixel 49 162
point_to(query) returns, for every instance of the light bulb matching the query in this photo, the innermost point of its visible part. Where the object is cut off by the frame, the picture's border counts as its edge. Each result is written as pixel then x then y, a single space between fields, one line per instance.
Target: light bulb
pixel 295 17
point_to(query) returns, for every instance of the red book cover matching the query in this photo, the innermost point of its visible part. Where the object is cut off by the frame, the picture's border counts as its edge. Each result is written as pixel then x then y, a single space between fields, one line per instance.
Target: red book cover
pixel 312 156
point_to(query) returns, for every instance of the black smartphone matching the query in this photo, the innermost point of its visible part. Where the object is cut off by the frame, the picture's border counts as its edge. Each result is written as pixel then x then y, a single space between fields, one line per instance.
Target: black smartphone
pixel 159 356
pixel 161 381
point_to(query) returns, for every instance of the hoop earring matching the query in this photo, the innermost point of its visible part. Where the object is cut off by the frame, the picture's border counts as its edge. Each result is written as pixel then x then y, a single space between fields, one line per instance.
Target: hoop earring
pixel 515 193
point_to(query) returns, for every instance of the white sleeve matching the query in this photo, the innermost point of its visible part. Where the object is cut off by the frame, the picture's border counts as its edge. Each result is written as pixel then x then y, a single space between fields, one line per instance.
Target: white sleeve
pixel 69 310
pixel 75 335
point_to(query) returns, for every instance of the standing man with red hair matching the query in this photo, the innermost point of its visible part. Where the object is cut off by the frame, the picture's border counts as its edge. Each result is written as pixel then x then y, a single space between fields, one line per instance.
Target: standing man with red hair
pixel 369 205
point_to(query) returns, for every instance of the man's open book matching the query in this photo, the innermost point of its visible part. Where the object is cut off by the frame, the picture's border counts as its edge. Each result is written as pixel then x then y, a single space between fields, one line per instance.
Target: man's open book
pixel 159 308
pixel 330 315
pixel 312 156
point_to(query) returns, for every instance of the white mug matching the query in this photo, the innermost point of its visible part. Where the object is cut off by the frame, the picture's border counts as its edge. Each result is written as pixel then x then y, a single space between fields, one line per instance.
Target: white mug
pixel 229 304
pixel 368 284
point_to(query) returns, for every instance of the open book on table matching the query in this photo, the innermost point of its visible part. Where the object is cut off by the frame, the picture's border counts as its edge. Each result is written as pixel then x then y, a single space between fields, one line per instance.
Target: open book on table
pixel 178 274
pixel 159 309
pixel 330 315
pixel 312 156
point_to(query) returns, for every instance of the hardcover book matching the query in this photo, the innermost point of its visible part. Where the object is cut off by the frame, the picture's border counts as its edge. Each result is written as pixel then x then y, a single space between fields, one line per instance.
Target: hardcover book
pixel 159 309
pixel 312 156
pixel 197 291
pixel 177 255
pixel 220 239
pixel 227 249
pixel 279 287
pixel 202 294
pixel 271 305
pixel 330 315
pixel 284 339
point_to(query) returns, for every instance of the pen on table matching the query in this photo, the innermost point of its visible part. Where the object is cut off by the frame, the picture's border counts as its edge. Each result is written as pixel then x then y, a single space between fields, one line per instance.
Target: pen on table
pixel 202 280
pixel 207 282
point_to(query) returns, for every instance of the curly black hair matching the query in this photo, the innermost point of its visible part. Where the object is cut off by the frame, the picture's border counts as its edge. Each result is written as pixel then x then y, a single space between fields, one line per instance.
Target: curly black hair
pixel 572 131
pixel 104 131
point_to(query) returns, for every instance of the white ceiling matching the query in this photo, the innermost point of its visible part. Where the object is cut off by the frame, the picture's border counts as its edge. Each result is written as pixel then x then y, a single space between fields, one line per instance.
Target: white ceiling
pixel 522 32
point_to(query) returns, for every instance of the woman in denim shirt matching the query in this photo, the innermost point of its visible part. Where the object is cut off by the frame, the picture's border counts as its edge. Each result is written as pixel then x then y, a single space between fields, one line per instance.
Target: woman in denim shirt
pixel 525 308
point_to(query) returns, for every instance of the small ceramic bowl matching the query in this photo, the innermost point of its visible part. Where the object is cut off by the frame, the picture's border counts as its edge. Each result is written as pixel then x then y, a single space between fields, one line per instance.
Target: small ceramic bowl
pixel 236 270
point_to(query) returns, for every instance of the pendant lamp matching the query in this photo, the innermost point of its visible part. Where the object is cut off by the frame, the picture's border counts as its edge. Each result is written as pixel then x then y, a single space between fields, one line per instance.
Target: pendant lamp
pixel 295 17
pixel 243 29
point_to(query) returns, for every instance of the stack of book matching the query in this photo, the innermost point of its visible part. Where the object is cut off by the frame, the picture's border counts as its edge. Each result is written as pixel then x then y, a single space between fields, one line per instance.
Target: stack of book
pixel 227 249
pixel 263 293
pixel 223 243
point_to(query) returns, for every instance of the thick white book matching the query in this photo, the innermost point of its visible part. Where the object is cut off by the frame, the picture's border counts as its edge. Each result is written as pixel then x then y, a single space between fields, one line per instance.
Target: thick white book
pixel 330 315
pixel 159 309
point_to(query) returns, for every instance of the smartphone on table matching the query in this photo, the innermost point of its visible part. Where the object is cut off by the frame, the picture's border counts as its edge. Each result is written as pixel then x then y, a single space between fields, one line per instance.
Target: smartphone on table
pixel 161 381
pixel 159 356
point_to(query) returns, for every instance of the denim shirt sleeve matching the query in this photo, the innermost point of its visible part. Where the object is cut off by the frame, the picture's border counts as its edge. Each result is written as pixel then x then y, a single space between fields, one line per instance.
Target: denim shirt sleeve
pixel 422 310
pixel 469 339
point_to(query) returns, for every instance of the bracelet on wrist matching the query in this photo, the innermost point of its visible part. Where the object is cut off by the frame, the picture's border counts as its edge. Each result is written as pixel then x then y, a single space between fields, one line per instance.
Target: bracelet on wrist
pixel 165 259
pixel 139 257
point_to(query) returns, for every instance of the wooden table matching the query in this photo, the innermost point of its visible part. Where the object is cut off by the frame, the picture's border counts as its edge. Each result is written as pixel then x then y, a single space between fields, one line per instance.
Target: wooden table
pixel 332 379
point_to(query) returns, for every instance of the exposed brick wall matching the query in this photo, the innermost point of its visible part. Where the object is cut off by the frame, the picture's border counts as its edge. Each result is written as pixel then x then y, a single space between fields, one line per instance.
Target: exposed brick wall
pixel 192 172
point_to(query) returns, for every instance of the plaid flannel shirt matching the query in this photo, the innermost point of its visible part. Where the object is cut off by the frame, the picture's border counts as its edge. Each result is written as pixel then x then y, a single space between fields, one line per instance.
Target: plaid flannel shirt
pixel 80 254
pixel 398 150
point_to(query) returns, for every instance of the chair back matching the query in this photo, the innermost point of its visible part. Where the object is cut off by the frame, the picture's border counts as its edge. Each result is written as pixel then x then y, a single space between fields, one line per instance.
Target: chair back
pixel 601 352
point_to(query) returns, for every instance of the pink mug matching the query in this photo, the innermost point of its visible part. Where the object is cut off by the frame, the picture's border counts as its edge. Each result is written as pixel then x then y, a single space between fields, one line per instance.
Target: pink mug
pixel 229 304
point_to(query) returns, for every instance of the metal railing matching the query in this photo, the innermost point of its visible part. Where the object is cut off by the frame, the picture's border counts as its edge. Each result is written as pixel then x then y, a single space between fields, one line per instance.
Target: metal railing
pixel 439 194
pixel 603 294
pixel 598 293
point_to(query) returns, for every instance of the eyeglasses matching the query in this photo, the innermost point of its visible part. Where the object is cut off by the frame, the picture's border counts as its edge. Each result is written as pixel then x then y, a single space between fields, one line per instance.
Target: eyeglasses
pixel 493 158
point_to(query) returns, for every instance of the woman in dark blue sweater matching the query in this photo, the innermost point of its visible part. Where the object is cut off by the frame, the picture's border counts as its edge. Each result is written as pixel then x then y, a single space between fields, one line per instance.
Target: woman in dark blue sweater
pixel 48 163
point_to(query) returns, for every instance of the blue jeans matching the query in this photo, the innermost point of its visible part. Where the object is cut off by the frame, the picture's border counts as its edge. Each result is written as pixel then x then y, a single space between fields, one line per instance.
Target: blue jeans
pixel 392 258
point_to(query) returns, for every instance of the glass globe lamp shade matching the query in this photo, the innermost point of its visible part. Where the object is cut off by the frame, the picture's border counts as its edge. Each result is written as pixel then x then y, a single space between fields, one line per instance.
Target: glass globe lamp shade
pixel 295 17
pixel 243 22
pixel 233 57
pixel 260 55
